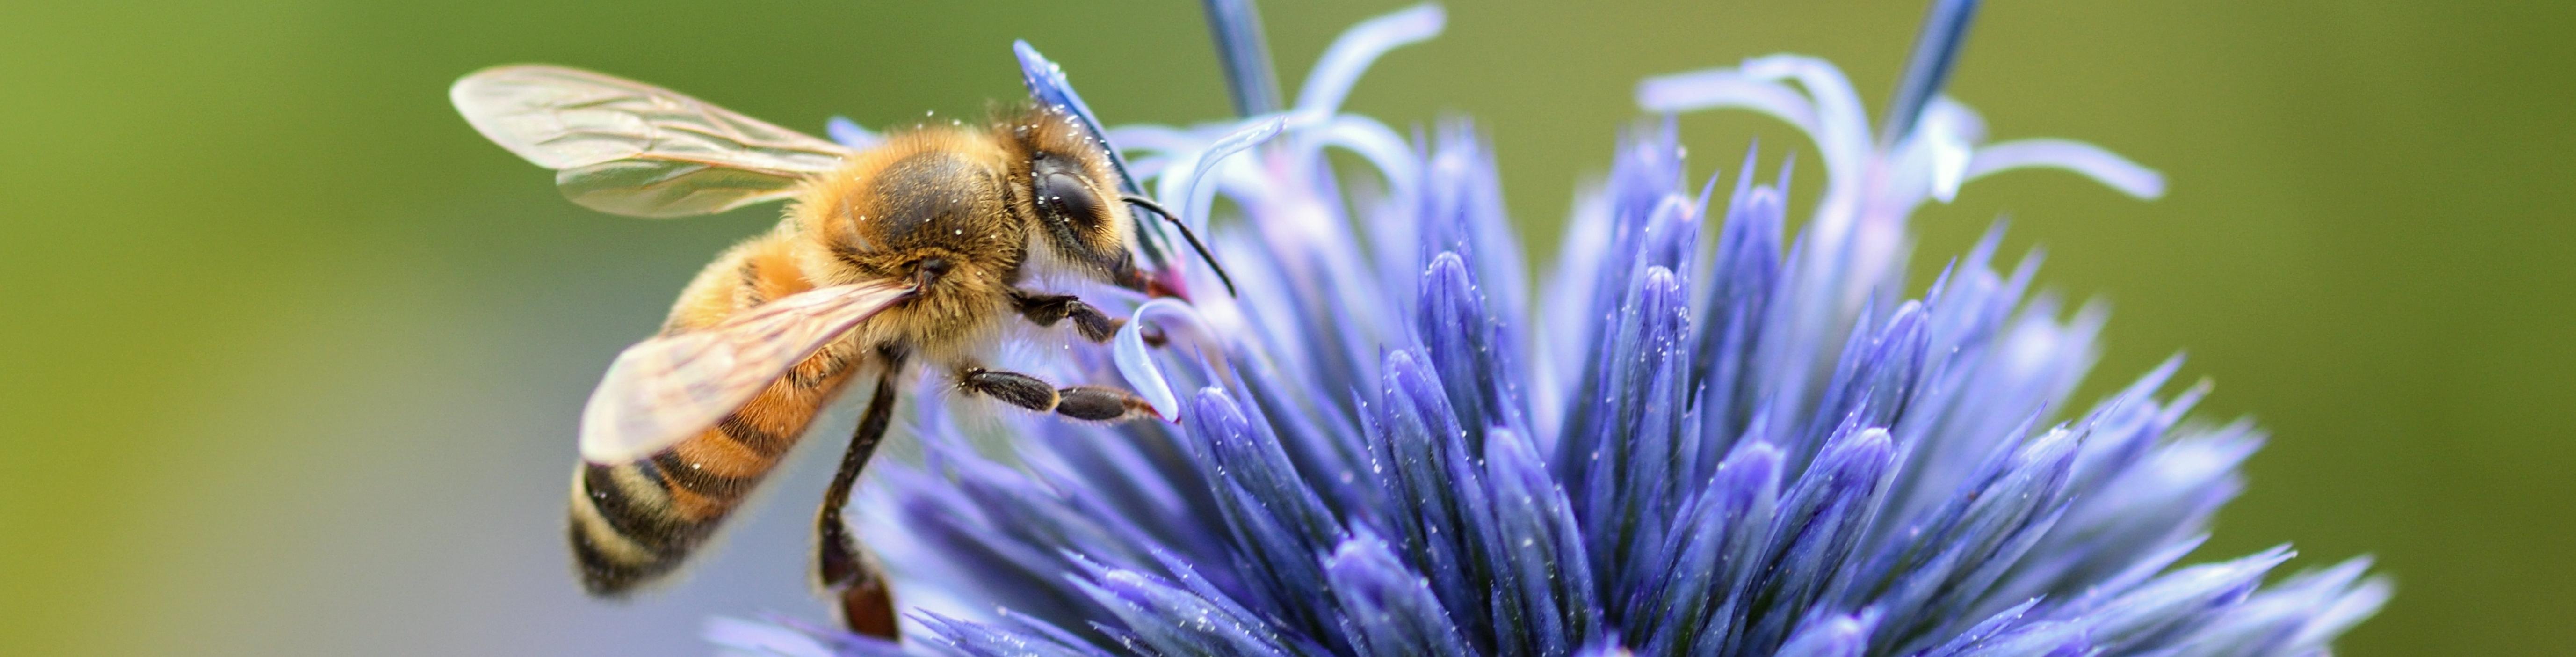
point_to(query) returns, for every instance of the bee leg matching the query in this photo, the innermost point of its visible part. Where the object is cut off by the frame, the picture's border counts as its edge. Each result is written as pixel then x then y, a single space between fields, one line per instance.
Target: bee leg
pixel 1047 309
pixel 1094 403
pixel 1102 404
pixel 844 566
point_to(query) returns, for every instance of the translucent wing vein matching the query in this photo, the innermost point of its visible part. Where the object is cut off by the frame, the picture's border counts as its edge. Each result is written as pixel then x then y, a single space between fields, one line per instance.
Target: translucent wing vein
pixel 636 149
pixel 665 389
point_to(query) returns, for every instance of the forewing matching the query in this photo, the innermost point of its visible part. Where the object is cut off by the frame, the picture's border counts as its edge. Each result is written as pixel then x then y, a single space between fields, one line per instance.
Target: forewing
pixel 665 389
pixel 636 149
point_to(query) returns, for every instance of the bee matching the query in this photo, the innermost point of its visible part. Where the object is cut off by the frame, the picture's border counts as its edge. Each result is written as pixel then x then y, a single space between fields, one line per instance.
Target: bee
pixel 913 250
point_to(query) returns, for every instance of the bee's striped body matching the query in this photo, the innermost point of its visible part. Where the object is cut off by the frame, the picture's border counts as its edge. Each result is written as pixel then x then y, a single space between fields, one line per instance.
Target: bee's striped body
pixel 916 249
pixel 635 521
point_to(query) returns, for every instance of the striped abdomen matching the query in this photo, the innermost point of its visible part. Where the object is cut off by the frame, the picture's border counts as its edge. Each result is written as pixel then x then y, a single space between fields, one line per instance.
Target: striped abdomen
pixel 635 522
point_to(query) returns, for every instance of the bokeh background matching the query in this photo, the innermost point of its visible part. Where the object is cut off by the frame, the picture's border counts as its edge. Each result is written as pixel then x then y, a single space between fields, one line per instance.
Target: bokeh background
pixel 289 356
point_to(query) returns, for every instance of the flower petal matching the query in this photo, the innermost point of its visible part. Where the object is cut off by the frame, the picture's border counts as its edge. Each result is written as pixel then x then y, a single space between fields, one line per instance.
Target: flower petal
pixel 1351 54
pixel 1388 608
pixel 2088 160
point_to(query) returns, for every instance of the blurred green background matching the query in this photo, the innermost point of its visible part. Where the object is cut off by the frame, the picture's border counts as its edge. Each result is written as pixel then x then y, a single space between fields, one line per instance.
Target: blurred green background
pixel 291 356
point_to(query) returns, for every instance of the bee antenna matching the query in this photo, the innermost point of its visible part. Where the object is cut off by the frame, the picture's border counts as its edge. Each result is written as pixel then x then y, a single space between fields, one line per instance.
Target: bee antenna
pixel 1195 244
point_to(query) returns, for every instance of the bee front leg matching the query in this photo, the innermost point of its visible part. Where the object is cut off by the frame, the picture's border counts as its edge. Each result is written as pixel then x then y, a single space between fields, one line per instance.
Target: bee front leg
pixel 1094 403
pixel 1047 309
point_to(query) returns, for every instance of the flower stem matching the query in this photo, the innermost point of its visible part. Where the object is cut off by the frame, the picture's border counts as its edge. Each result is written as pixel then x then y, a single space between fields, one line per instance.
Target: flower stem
pixel 1936 51
pixel 1249 78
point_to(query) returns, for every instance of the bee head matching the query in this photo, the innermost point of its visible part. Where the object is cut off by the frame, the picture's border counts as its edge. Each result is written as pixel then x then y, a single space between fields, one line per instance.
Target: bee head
pixel 1072 198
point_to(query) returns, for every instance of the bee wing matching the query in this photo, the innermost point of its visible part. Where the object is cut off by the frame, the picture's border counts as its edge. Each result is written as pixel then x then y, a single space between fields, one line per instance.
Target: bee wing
pixel 665 389
pixel 632 148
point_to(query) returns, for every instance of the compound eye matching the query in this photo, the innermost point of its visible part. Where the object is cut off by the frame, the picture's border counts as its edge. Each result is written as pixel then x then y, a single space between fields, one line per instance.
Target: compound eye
pixel 1062 195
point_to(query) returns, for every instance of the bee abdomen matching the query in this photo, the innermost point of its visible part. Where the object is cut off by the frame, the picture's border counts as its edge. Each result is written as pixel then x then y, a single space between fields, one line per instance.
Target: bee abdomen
pixel 633 523
pixel 624 532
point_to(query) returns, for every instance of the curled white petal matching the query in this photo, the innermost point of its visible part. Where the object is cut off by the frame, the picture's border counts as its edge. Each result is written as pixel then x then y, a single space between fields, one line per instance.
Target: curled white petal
pixel 1962 120
pixel 1949 168
pixel 1374 142
pixel 1841 127
pixel 1138 367
pixel 1836 103
pixel 1821 105
pixel 1725 88
pixel 1136 362
pixel 1360 46
pixel 2082 158
pixel 1193 205
pixel 1947 150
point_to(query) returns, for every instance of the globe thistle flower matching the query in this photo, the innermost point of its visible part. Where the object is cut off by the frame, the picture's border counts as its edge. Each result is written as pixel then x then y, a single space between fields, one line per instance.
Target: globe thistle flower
pixel 1393 442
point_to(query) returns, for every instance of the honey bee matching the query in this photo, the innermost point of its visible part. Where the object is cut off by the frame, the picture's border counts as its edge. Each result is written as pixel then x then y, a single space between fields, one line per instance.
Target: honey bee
pixel 916 249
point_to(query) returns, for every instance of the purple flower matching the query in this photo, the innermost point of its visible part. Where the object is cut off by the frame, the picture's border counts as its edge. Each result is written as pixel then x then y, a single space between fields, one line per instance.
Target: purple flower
pixel 1747 443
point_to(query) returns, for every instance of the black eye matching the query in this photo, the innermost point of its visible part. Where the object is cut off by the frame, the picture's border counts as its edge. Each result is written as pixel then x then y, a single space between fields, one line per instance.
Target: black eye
pixel 1061 194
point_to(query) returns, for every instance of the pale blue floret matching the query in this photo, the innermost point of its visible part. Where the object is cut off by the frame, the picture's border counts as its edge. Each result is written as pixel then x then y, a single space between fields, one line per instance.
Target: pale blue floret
pixel 1673 443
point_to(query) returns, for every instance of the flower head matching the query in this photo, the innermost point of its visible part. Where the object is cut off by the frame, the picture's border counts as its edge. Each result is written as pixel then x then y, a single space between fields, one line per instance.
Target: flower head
pixel 1747 443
